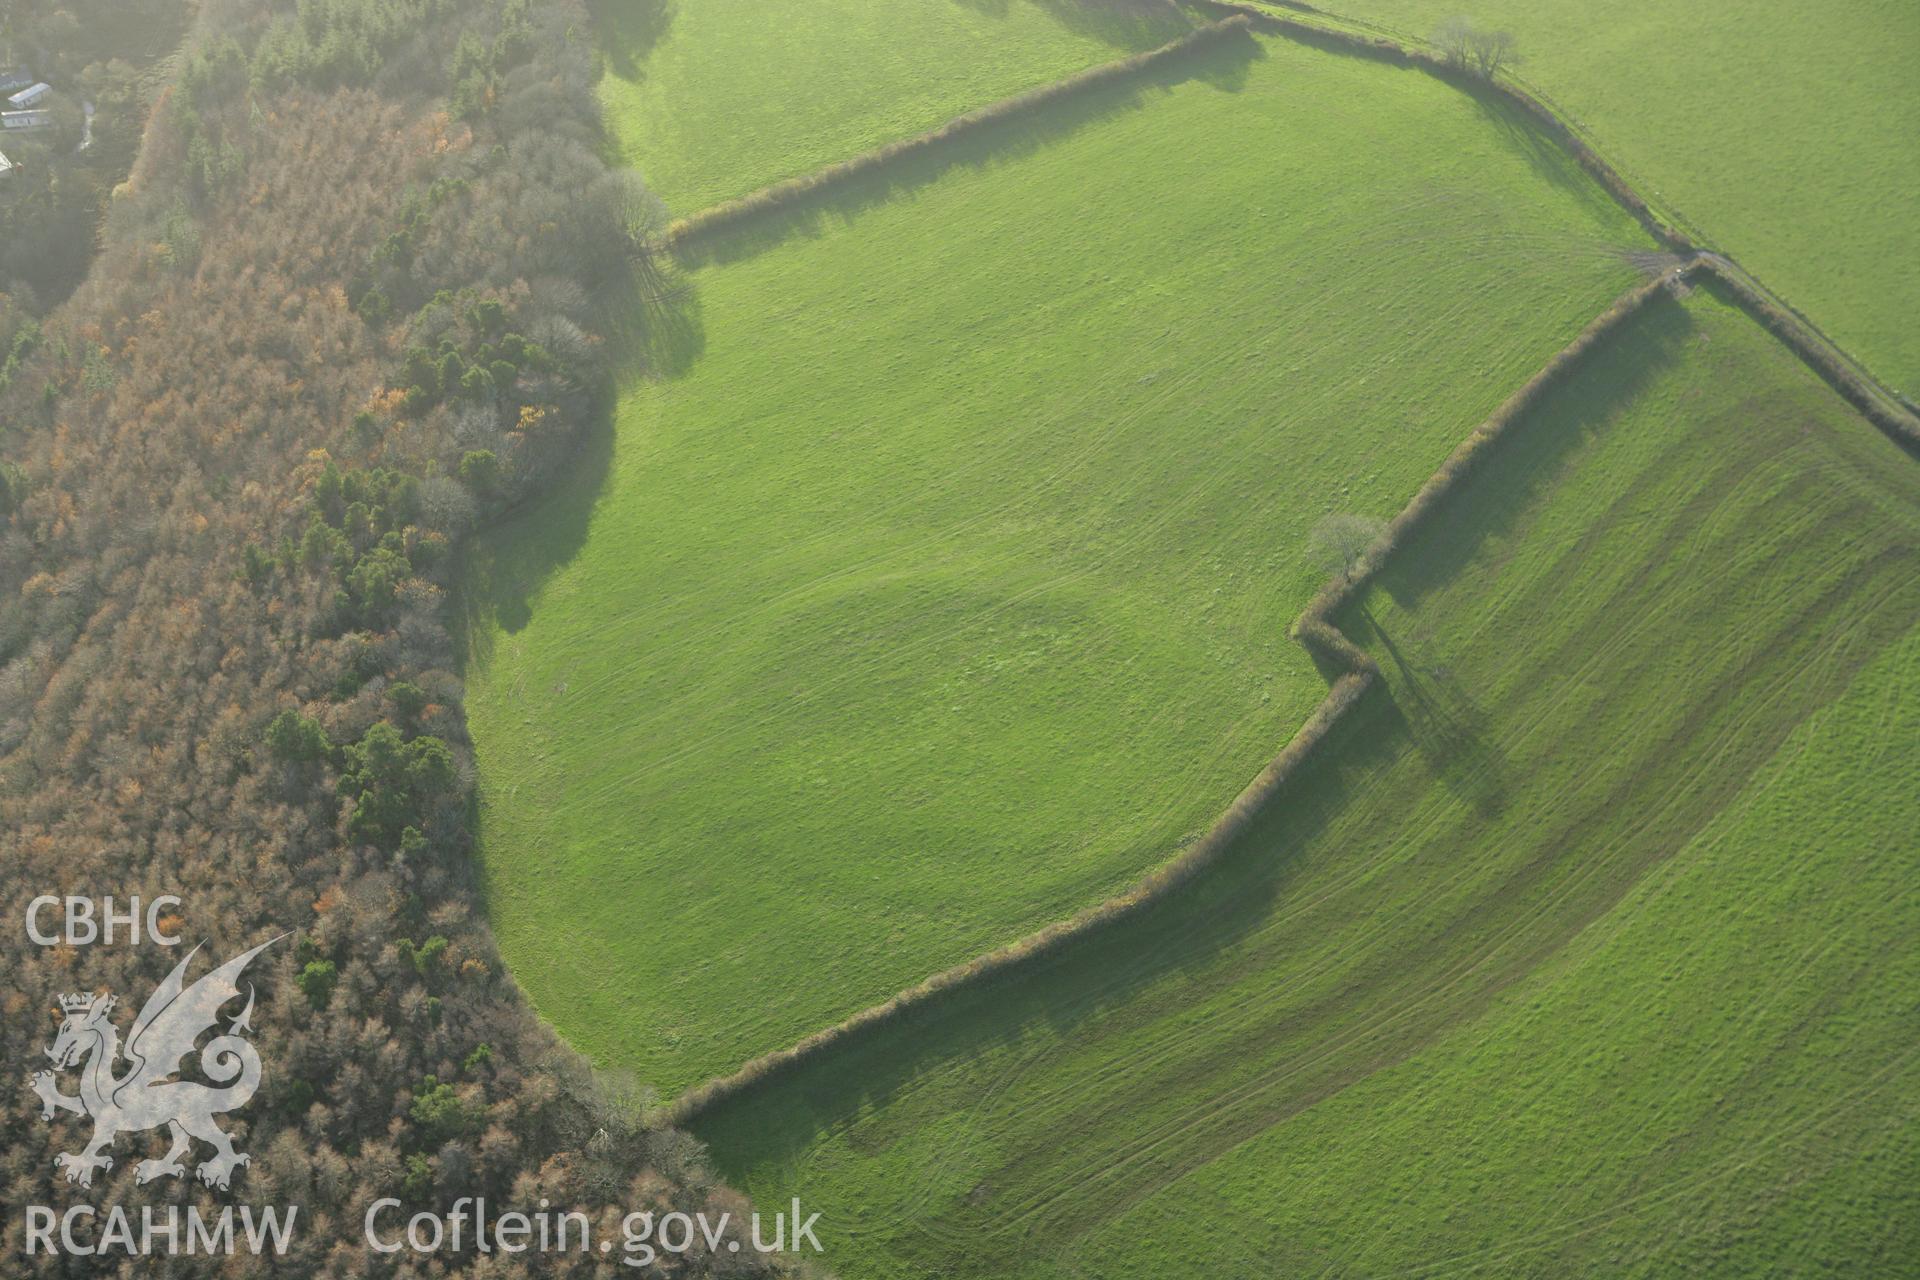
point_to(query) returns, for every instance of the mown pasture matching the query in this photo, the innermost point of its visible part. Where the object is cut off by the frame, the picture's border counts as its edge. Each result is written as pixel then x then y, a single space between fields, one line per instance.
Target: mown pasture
pixel 711 101
pixel 1784 131
pixel 1588 948
pixel 938 584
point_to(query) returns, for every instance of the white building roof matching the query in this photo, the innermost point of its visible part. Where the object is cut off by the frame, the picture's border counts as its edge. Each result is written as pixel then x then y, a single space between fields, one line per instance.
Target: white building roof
pixel 25 119
pixel 29 96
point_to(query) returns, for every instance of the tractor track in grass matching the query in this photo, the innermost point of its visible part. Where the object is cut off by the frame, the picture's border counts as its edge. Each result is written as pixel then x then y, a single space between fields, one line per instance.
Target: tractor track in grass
pixel 1317 630
pixel 1473 979
pixel 1315 627
pixel 1359 675
pixel 1702 534
pixel 1721 749
pixel 1626 1207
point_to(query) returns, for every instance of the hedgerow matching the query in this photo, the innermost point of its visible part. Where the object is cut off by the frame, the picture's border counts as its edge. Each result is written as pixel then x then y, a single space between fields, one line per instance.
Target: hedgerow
pixel 1356 674
pixel 784 194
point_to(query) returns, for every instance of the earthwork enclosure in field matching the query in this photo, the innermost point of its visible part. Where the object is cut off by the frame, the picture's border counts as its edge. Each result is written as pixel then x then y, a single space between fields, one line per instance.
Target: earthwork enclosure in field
pixel 1516 932
pixel 933 584
pixel 970 498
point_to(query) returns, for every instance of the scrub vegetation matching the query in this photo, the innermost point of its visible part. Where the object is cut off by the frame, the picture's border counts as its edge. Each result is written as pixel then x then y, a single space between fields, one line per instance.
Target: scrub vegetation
pixel 349 302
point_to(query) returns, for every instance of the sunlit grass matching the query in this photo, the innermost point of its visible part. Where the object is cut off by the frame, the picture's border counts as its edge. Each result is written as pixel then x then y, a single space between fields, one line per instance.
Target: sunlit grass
pixel 1589 950
pixel 941 585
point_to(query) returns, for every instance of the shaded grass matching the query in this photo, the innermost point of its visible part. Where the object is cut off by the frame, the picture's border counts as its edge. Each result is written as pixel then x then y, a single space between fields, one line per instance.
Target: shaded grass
pixel 711 101
pixel 974 512
pixel 1224 62
pixel 1894 412
pixel 1034 102
pixel 1351 674
pixel 1586 949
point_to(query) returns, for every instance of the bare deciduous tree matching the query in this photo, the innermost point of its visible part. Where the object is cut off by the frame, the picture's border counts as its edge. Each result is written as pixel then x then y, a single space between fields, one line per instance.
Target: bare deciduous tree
pixel 1492 50
pixel 1467 47
pixel 1453 38
pixel 1338 543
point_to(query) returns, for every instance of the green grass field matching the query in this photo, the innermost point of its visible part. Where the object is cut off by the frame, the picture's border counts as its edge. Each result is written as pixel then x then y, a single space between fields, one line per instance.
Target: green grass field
pixel 1785 130
pixel 713 100
pixel 940 586
pixel 1590 949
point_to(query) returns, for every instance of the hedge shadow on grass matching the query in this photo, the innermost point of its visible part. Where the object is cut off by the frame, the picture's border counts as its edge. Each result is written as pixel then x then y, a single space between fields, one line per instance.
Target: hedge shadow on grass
pixel 1059 990
pixel 831 202
pixel 1490 498
pixel 1547 157
pixel 1193 925
pixel 1488 92
pixel 1330 646
pixel 1729 283
pixel 1132 25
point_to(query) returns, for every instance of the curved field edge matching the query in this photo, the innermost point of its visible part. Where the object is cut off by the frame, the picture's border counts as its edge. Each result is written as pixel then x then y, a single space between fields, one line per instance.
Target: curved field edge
pixel 1281 325
pixel 1175 1092
pixel 1887 406
pixel 1707 110
pixel 1315 628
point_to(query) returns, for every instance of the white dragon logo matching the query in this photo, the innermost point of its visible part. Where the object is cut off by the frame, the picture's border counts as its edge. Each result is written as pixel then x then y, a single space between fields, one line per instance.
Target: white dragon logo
pixel 146 1097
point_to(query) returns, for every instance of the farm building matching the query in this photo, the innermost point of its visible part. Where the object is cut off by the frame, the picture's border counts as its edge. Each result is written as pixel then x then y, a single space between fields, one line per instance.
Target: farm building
pixel 6 167
pixel 25 121
pixel 13 79
pixel 31 96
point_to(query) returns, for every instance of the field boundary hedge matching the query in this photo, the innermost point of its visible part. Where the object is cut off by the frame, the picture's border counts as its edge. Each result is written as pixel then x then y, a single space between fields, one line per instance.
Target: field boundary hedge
pixel 1315 628
pixel 1357 673
pixel 1848 375
pixel 782 194
pixel 1387 49
pixel 1819 352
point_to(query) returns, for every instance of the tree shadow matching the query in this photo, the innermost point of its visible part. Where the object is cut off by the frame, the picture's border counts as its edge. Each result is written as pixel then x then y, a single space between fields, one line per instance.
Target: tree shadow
pixel 1187 932
pixel 1545 154
pixel 1440 715
pixel 503 565
pixel 1424 707
pixel 654 331
pixel 629 30
pixel 1224 64
pixel 657 328
pixel 1450 729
